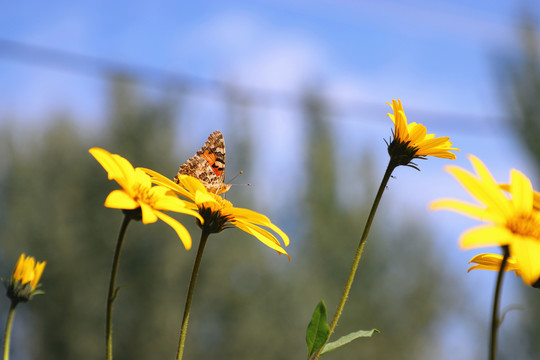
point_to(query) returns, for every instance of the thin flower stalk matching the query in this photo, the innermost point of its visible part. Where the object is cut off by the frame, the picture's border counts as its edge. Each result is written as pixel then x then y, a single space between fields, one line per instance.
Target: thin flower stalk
pixel 495 321
pixel 218 214
pixel 111 295
pixel 189 297
pixel 410 141
pixel 7 332
pixel 358 254
pixel 139 200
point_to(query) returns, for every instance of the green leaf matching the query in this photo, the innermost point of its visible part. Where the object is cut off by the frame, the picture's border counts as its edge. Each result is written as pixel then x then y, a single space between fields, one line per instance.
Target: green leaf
pixel 347 339
pixel 318 330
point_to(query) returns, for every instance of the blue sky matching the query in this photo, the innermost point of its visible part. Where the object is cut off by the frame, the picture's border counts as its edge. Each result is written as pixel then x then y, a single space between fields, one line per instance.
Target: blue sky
pixel 437 56
pixel 434 54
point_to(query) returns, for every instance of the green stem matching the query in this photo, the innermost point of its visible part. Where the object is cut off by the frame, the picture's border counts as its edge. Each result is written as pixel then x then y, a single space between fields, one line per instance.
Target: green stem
pixel 112 287
pixel 9 323
pixel 495 322
pixel 391 166
pixel 194 272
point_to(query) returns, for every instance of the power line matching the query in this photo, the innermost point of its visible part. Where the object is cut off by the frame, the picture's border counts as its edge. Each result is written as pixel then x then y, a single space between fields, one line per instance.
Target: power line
pixel 163 79
pixel 104 68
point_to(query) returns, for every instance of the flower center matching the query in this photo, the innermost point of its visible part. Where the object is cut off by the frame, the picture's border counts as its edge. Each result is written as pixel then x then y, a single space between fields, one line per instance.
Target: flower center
pixel 143 194
pixel 524 225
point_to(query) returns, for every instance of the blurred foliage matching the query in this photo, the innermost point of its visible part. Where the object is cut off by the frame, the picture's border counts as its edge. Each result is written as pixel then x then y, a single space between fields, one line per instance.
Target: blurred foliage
pixel 519 78
pixel 249 303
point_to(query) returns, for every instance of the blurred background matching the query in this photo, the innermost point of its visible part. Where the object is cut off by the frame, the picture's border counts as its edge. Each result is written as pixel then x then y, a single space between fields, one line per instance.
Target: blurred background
pixel 299 90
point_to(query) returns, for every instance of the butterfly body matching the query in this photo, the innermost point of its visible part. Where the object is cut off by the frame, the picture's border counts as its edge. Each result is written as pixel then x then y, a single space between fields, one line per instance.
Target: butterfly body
pixel 208 164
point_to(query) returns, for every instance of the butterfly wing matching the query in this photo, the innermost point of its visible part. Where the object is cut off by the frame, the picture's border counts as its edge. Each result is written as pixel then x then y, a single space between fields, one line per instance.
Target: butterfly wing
pixel 208 164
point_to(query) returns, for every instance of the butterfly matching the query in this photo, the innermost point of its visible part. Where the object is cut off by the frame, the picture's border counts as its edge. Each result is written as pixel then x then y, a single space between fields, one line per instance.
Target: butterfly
pixel 208 164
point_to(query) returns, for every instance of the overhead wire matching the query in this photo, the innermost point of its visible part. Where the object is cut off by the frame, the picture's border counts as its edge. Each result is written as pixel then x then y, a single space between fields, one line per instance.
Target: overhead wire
pixel 89 65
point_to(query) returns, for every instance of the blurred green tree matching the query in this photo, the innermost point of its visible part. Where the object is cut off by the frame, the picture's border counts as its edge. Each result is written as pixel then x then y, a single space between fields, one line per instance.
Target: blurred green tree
pixel 52 207
pixel 249 303
pixel 519 78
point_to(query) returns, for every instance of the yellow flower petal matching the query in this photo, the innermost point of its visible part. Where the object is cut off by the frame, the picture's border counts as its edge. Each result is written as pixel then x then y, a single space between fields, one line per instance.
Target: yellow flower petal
pixel 207 200
pixel 149 215
pixel 119 199
pixel 418 133
pixel 492 262
pixel 483 191
pixel 38 270
pixel 527 255
pixel 260 230
pixel 17 273
pixel 170 203
pixel 256 231
pixel 159 179
pixel 142 179
pixel 433 144
pixel 107 162
pixel 485 235
pixel 259 219
pixel 443 154
pixel 461 207
pixel 522 191
pixel 183 234
pixel 28 270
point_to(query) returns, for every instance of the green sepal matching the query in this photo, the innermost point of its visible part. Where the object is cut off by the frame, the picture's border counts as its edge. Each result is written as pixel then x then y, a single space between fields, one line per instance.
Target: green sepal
pixel 344 340
pixel 318 330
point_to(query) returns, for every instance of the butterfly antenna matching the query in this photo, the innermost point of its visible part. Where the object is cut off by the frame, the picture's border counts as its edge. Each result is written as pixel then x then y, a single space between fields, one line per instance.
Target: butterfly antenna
pixel 237 175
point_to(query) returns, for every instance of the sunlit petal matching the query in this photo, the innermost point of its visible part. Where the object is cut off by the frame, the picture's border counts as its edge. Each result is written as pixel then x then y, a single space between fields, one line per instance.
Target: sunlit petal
pixel 149 215
pixel 181 231
pixel 255 231
pixel 485 192
pixel 522 191
pixel 527 255
pixel 493 262
pixel 461 207
pixel 159 179
pixel 119 199
pixel 138 191
pixel 106 160
pixel 485 235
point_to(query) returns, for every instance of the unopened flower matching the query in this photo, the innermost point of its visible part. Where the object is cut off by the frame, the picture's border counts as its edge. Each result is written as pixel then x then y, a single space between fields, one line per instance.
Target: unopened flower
pixel 24 282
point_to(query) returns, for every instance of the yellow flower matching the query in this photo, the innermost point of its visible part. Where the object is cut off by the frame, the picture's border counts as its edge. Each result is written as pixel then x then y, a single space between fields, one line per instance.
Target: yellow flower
pixel 138 194
pixel 411 141
pixel 25 279
pixel 219 213
pixel 511 218
pixel 493 262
